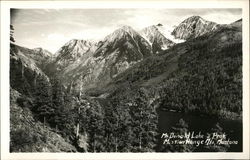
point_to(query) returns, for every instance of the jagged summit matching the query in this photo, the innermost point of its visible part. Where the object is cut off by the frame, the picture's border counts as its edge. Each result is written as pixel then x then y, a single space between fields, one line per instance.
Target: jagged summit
pixel 156 38
pixel 126 28
pixel 78 42
pixel 73 50
pixel 124 36
pixel 42 52
pixel 192 27
pixel 195 17
pixel 74 46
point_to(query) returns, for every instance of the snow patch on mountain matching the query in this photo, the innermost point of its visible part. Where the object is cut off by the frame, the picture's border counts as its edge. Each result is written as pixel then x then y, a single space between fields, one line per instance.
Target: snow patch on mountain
pixel 166 31
pixel 156 38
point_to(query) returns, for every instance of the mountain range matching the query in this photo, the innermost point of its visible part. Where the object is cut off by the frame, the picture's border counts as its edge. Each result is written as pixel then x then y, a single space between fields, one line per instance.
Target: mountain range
pixel 90 64
pixel 197 61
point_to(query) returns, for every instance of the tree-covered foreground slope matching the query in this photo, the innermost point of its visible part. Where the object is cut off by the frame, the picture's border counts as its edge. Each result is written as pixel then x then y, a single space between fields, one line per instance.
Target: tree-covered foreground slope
pixel 202 76
pixel 31 106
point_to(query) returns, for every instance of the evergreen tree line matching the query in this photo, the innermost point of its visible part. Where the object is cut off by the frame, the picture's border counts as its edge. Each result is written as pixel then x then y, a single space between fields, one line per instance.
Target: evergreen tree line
pixel 97 125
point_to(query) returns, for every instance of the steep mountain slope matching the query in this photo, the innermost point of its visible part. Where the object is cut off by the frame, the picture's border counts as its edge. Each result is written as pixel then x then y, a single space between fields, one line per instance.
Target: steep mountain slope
pixel 237 23
pixel 157 40
pixel 117 52
pixel 126 42
pixel 24 70
pixel 193 27
pixel 40 56
pixel 30 90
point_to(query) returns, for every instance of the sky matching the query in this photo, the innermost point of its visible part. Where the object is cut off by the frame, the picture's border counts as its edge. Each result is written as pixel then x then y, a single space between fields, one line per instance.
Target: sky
pixel 52 28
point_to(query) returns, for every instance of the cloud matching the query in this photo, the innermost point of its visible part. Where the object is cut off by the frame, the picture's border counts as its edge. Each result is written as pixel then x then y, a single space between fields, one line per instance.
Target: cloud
pixel 55 40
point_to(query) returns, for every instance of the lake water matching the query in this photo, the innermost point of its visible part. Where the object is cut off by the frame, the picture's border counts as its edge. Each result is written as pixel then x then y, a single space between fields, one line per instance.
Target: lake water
pixel 196 123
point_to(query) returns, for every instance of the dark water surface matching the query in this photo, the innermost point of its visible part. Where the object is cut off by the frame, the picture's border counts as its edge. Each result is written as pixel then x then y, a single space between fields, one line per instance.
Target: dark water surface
pixel 204 124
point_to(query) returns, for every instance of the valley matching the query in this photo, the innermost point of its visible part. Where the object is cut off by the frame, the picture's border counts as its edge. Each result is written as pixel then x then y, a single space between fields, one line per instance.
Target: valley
pixel 121 93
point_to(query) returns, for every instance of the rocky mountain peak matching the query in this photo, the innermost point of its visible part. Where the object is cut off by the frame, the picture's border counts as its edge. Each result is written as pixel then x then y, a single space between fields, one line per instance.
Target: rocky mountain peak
pixel 127 28
pixel 121 33
pixel 72 51
pixel 156 38
pixel 193 18
pixel 193 27
pixel 74 47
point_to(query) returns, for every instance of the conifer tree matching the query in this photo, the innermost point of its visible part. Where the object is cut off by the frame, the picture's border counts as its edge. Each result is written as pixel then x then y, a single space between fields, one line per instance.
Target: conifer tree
pixel 43 100
pixel 143 123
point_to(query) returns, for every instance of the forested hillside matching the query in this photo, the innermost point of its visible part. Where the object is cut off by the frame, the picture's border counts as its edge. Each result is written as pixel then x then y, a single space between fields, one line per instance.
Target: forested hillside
pixel 193 76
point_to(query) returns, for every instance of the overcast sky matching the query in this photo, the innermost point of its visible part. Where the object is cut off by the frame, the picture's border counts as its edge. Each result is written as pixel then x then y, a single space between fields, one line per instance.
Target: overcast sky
pixel 52 28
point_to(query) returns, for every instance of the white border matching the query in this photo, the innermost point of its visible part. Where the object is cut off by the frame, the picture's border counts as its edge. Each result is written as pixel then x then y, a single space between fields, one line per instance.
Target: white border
pixel 5 21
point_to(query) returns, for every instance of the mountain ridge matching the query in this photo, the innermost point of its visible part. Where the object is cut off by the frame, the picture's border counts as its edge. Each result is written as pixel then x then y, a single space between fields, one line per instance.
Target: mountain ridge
pixel 118 51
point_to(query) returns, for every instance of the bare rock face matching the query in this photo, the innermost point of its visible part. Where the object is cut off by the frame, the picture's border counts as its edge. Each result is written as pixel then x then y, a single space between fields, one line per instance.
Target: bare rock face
pixel 71 51
pixel 193 27
pixel 157 40
pixel 38 55
pixel 127 42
